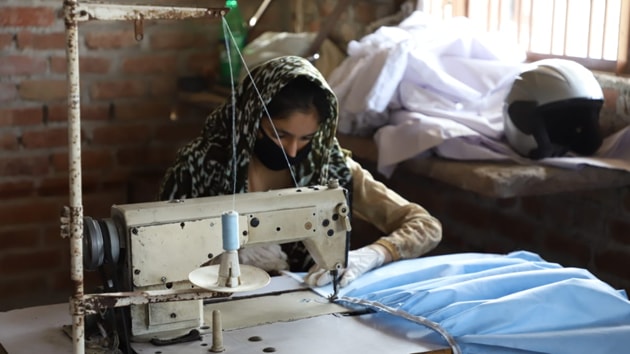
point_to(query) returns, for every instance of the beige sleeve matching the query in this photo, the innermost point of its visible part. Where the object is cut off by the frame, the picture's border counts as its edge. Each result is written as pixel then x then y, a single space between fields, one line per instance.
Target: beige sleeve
pixel 409 230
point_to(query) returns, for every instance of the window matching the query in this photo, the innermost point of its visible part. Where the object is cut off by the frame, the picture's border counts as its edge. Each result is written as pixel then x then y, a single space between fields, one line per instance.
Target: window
pixel 592 32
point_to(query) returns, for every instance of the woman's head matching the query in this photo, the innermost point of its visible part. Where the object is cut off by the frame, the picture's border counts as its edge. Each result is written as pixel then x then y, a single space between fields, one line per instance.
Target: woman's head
pixel 293 121
pixel 238 122
pixel 299 95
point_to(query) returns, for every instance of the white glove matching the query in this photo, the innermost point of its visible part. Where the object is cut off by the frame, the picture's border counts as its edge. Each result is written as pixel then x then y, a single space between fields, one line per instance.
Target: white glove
pixel 268 257
pixel 359 261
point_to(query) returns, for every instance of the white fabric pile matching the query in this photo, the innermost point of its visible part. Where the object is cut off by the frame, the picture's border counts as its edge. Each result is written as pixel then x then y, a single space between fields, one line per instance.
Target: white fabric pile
pixel 428 86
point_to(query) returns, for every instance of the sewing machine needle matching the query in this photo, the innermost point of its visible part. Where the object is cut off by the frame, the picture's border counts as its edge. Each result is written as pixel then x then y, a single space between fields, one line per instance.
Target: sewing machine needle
pixel 335 283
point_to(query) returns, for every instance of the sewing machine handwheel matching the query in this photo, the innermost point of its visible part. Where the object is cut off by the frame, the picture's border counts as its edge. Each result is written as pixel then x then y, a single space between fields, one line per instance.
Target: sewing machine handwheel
pixel 252 278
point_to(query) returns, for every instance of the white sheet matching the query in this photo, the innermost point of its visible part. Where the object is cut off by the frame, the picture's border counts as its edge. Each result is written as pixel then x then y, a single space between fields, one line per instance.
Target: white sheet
pixel 438 87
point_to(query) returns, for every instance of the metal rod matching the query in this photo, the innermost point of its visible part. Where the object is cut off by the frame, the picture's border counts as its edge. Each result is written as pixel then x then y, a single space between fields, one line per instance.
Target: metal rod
pixel 74 176
pixel 119 12
pixel 217 333
pixel 95 303
pixel 73 13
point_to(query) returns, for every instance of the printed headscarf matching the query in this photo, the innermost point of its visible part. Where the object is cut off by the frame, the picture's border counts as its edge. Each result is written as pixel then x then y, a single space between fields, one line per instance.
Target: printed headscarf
pixel 206 165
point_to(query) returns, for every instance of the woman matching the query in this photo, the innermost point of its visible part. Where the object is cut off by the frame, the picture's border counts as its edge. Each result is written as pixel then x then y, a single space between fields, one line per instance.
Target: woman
pixel 294 127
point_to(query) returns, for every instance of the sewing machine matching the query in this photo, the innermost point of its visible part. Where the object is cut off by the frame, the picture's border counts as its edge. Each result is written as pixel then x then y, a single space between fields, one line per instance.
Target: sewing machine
pixel 158 246
pixel 163 242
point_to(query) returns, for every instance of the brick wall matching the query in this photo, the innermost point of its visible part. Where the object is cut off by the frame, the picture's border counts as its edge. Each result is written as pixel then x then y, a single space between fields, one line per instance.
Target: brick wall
pixel 128 95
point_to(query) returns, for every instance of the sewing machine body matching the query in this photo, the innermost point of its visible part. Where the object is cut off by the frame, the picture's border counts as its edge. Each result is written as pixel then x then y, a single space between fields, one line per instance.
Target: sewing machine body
pixel 167 240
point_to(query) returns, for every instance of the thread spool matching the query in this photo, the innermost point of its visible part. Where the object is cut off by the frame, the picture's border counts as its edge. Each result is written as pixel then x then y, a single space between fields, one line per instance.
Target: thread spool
pixel 229 228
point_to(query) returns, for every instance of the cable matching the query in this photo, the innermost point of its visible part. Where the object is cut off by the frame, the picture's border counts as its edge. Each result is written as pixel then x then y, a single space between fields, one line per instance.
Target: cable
pixel 413 318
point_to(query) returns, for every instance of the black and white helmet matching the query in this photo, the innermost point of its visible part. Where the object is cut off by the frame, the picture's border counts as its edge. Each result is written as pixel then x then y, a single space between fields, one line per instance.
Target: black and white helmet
pixel 553 107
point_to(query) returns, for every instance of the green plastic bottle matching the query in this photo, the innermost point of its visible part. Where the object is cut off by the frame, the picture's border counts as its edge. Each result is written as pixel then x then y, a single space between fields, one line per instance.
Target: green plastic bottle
pixel 237 26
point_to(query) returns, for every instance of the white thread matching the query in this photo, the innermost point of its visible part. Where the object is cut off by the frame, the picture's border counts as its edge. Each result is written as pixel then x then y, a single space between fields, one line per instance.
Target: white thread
pixel 238 51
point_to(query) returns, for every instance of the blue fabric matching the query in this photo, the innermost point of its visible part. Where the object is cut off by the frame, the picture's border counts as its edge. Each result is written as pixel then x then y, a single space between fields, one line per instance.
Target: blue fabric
pixel 509 304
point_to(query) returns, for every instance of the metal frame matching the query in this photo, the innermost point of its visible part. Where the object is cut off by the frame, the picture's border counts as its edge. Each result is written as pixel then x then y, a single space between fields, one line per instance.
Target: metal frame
pixel 72 215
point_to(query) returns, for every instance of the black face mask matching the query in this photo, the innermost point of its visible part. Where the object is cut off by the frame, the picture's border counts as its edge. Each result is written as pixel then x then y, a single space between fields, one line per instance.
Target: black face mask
pixel 271 155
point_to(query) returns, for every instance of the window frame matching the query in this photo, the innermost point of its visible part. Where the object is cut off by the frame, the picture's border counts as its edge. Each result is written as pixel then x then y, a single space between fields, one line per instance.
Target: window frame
pixel 620 66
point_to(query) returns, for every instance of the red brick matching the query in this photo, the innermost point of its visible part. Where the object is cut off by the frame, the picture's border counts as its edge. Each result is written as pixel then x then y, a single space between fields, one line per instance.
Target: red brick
pixel 17 189
pixel 150 64
pixel 59 162
pixel 8 141
pixel 163 86
pixel 177 132
pixel 30 40
pixel 178 40
pixel 589 218
pixel 22 16
pixel 145 156
pixel 558 212
pixel 91 159
pixel 6 39
pixel 92 182
pixel 99 205
pixel 21 238
pixel 422 192
pixel 121 134
pixel 204 63
pixel 567 246
pixel 145 188
pixel 507 203
pixel 30 212
pixel 16 165
pixel 22 65
pixel 471 214
pixel 20 116
pixel 514 227
pixel 8 91
pixel 95 112
pixel 533 206
pixel 117 180
pixel 106 90
pixel 110 40
pixel 35 260
pixel 54 186
pixel 45 138
pixel 51 236
pixel 22 287
pixel 87 65
pixel 60 184
pixel 43 90
pixel 145 110
pixel 92 112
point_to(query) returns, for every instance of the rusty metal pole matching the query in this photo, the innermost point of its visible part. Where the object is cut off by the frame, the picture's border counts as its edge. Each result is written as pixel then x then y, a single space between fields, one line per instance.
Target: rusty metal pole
pixel 74 175
pixel 72 215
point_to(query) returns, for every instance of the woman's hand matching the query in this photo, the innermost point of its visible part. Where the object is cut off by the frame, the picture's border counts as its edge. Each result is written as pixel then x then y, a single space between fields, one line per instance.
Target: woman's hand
pixel 359 262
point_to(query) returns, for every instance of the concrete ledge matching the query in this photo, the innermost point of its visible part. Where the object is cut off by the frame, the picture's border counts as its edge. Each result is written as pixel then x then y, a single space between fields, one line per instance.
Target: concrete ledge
pixel 496 179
